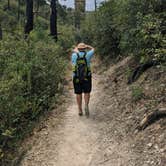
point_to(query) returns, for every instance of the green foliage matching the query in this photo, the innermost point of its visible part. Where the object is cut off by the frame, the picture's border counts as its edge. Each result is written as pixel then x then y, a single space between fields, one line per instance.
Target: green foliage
pixel 87 31
pixel 137 93
pixel 66 37
pixel 32 71
pixel 41 23
pixel 128 27
pixel 30 75
pixel 144 29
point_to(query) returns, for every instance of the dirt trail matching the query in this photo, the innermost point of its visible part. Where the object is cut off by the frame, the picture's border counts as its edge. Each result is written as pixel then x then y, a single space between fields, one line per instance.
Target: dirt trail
pixel 69 140
pixel 66 139
pixel 108 137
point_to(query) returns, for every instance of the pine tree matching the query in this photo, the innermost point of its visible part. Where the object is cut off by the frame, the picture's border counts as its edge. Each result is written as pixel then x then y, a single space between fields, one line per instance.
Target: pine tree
pixel 53 20
pixel 29 15
pixel 0 32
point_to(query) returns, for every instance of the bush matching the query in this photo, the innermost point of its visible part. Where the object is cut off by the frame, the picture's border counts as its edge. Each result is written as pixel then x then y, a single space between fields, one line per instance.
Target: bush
pixel 66 37
pixel 107 35
pixel 131 27
pixel 144 29
pixel 137 93
pixel 42 23
pixel 29 77
pixel 87 31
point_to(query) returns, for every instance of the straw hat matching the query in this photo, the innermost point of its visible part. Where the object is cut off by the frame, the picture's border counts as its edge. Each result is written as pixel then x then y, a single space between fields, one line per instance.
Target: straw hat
pixel 81 46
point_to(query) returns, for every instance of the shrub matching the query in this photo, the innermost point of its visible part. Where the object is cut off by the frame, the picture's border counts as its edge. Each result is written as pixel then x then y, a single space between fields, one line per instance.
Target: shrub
pixel 29 76
pixel 131 27
pixel 66 37
pixel 137 93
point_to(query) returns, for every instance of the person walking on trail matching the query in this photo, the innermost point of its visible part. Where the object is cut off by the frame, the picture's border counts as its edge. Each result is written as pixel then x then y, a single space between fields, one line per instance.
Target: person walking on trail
pixel 82 76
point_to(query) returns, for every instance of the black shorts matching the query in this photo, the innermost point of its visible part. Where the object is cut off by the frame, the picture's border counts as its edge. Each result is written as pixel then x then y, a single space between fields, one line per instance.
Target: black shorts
pixel 82 87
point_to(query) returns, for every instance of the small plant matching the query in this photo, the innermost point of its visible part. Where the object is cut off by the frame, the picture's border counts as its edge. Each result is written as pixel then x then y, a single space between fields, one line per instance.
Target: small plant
pixel 128 72
pixel 137 93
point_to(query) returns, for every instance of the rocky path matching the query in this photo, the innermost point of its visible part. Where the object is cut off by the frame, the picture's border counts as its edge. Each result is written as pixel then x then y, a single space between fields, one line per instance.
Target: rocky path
pixel 107 138
pixel 66 139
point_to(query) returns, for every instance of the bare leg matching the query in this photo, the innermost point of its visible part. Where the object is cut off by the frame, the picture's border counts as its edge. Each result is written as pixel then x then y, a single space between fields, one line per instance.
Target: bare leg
pixel 79 102
pixel 87 98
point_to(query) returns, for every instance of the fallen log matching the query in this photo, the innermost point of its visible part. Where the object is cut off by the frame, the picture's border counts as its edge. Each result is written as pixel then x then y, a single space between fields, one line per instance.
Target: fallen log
pixel 151 118
pixel 140 69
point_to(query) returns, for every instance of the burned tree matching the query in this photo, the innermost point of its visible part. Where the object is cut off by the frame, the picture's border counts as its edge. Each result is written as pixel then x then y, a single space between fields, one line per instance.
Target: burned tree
pixel 53 20
pixel 79 12
pixel 18 14
pixel 8 4
pixel 0 32
pixel 95 4
pixel 29 16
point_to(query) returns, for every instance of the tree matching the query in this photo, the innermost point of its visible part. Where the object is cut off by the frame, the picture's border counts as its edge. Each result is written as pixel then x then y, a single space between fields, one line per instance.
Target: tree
pixel 18 17
pixel 95 4
pixel 53 20
pixel 8 5
pixel 38 4
pixel 0 32
pixel 79 12
pixel 29 16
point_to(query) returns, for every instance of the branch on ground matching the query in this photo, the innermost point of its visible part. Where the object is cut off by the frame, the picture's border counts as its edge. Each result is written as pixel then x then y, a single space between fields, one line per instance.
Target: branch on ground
pixel 140 69
pixel 151 118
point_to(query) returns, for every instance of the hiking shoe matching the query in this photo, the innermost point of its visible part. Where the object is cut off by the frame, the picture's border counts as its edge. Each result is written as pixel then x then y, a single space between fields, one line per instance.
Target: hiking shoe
pixel 80 113
pixel 87 111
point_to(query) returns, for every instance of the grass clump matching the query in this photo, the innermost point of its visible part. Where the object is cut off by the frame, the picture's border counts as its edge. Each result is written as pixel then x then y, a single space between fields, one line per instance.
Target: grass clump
pixel 137 93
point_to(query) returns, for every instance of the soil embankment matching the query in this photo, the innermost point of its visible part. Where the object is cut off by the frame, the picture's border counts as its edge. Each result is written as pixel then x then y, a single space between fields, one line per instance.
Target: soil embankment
pixel 109 137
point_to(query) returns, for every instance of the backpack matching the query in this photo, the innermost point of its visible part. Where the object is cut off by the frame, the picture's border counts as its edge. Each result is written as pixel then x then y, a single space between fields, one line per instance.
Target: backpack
pixel 81 68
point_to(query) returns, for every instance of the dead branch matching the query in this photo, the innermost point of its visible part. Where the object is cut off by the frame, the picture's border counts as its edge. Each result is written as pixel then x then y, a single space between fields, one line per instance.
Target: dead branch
pixel 140 69
pixel 151 118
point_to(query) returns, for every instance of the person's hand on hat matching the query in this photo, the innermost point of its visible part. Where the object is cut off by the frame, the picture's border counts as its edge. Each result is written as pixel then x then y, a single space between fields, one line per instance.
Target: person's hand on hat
pixel 82 47
pixel 76 50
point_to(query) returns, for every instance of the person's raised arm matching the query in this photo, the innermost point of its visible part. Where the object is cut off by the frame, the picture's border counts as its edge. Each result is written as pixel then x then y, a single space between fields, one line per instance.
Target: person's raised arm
pixel 90 47
pixel 76 50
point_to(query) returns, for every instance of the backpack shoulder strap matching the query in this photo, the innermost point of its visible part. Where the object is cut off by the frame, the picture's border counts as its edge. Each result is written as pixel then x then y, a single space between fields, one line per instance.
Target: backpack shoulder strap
pixel 78 56
pixel 85 54
pixel 85 58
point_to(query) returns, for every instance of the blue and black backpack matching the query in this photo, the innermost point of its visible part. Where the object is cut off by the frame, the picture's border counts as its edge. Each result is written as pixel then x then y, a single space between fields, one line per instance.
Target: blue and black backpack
pixel 82 70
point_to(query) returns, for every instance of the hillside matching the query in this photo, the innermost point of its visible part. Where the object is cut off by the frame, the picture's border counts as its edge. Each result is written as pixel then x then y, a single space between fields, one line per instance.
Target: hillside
pixel 110 135
pixel 38 112
pixel 125 106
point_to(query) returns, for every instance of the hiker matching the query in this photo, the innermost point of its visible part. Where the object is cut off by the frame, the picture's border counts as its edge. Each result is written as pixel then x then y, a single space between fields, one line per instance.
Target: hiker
pixel 82 77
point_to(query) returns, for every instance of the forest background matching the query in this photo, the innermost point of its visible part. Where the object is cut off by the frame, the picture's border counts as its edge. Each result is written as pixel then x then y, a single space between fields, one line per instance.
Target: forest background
pixel 32 68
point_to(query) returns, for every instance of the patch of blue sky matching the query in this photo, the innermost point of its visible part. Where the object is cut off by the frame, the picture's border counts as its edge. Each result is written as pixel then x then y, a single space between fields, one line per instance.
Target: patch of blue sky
pixel 90 4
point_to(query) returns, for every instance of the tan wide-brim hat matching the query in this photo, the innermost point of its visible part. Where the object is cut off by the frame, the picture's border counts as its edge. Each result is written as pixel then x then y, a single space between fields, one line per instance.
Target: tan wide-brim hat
pixel 81 46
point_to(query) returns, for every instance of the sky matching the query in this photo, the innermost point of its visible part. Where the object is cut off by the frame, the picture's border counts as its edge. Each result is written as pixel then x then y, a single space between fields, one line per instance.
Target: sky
pixel 89 3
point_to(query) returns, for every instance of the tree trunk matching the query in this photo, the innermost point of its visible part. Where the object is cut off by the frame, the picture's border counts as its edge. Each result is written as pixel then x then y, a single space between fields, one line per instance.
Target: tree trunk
pixel 95 5
pixel 29 16
pixel 0 32
pixel 140 69
pixel 37 8
pixel 18 17
pixel 8 5
pixel 53 20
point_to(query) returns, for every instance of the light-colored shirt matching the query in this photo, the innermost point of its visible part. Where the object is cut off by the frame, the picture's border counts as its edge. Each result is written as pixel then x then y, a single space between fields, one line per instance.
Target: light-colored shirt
pixel 89 55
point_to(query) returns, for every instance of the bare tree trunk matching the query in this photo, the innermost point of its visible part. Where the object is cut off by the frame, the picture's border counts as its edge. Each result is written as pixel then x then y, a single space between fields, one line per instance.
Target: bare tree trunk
pixel 53 20
pixel 37 8
pixel 0 32
pixel 95 5
pixel 18 16
pixel 79 12
pixel 8 5
pixel 77 16
pixel 29 15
